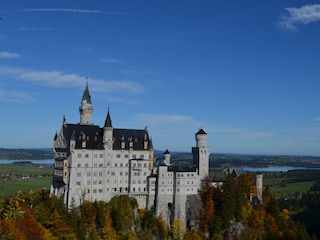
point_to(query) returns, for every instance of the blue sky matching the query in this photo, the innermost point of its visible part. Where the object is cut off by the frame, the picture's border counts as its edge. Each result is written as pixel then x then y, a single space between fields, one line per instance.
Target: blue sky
pixel 247 72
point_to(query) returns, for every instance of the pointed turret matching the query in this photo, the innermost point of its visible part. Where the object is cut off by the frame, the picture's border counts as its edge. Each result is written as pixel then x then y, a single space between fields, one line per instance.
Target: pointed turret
pixel 86 95
pixel 108 132
pixel 86 108
pixel 108 122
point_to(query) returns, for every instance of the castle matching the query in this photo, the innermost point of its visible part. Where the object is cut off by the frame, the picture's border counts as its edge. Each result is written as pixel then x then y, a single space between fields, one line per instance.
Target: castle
pixel 97 163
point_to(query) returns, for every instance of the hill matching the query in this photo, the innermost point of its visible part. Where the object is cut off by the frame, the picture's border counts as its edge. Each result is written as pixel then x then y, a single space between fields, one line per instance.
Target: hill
pixel 26 154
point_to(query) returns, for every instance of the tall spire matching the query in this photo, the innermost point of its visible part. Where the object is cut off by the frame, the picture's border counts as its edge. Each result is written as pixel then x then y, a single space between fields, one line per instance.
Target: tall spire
pixel 86 94
pixel 108 122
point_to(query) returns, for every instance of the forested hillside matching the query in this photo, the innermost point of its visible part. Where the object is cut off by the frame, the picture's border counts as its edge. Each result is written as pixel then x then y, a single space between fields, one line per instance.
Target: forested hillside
pixel 221 213
pixel 26 154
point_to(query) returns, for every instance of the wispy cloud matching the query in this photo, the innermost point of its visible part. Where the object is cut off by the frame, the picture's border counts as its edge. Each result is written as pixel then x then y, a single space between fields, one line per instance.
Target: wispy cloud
pixel 15 96
pixel 110 60
pixel 74 10
pixel 9 55
pixel 296 16
pixel 316 121
pixel 59 79
pixel 257 134
pixel 34 28
pixel 161 119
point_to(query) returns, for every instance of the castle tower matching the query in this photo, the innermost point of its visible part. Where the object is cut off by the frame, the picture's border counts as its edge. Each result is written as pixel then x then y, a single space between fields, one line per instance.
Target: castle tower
pixel 86 108
pixel 167 158
pixel 259 185
pixel 201 154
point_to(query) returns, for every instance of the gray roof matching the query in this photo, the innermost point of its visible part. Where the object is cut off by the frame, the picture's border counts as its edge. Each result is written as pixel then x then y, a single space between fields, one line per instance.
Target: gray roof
pixel 93 136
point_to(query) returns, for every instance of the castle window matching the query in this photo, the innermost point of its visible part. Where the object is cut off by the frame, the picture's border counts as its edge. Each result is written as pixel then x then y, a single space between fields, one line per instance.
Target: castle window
pixel 120 173
pixel 126 173
pixel 88 182
pixel 126 189
pixel 78 183
pixel 88 174
pixel 94 174
pixel 100 165
pixel 118 155
pixel 100 174
pixel 86 155
pixel 145 165
pixel 79 165
pixel 116 165
pixel 86 165
pixel 79 155
pixel 100 155
pixel 139 165
pixel 94 182
pixel 88 191
pixel 121 165
pixel 115 189
pixel 126 155
pixel 134 189
pixel 78 174
pixel 134 156
pixel 100 182
pixel 113 174
pixel 94 190
pixel 144 174
pixel 100 190
pixel 95 155
pixel 134 165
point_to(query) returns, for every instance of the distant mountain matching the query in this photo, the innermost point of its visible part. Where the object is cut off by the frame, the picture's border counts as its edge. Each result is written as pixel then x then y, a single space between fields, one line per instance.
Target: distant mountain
pixel 26 154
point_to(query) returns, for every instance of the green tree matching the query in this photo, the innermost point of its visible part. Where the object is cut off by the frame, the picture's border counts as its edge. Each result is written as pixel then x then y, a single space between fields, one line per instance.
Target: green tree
pixel 178 229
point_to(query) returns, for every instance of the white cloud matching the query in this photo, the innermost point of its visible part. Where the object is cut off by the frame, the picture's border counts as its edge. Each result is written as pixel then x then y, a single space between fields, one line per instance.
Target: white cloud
pixel 15 96
pixel 74 10
pixel 303 15
pixel 8 55
pixel 59 79
pixel 110 60
pixel 34 28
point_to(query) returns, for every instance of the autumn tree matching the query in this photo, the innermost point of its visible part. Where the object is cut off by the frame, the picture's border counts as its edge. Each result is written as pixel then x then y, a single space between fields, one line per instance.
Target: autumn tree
pixel 208 205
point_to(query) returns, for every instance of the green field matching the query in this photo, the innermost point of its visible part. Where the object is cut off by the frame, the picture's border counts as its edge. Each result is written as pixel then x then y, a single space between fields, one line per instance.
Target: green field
pixel 23 177
pixel 291 189
pixel 291 183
